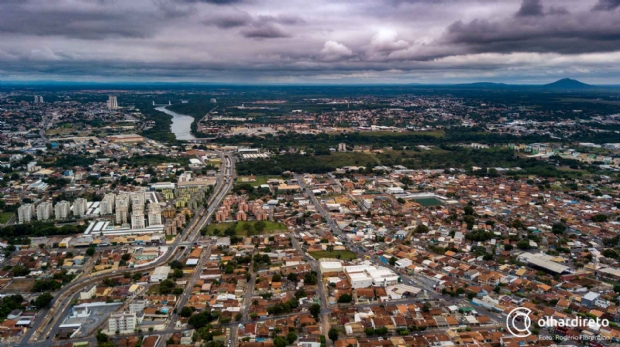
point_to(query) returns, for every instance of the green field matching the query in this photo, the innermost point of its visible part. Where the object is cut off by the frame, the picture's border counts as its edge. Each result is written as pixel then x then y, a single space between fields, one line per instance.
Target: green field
pixel 428 201
pixel 270 228
pixel 5 217
pixel 344 255
pixel 259 180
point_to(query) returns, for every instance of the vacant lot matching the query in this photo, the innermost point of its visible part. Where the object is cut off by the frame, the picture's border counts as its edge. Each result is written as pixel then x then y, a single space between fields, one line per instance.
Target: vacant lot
pixel 344 255
pixel 19 286
pixel 259 180
pixel 5 217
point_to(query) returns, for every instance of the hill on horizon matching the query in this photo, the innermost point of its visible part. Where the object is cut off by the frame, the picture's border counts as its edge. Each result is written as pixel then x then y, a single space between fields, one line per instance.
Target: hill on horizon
pixel 567 83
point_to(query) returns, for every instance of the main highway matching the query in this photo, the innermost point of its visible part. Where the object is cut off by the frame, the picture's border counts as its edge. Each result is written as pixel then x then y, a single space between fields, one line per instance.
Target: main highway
pixel 47 323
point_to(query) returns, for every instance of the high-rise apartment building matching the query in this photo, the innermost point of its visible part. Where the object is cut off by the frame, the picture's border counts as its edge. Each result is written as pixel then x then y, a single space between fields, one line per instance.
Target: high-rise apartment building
pixel 122 321
pixel 112 103
pixel 137 220
pixel 25 213
pixel 80 206
pixel 62 209
pixel 154 214
pixel 45 211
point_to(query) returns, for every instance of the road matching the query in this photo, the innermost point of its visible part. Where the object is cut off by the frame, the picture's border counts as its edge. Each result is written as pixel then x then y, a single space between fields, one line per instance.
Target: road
pixel 319 208
pixel 47 322
pixel 182 300
pixel 420 281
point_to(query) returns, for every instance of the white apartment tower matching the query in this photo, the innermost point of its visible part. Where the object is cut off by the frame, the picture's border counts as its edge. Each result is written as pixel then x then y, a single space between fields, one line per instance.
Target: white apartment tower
pixel 80 206
pixel 107 204
pixel 62 210
pixel 154 215
pixel 122 213
pixel 25 213
pixel 122 321
pixel 45 211
pixel 112 103
pixel 137 220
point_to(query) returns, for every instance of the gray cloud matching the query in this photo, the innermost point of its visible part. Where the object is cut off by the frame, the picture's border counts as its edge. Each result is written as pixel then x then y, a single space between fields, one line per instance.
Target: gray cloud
pixel 530 8
pixel 232 19
pixel 265 30
pixel 606 5
pixel 265 40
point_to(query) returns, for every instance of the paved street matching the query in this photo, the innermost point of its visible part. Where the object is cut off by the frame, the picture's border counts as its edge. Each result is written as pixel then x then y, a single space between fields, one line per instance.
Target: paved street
pixel 47 323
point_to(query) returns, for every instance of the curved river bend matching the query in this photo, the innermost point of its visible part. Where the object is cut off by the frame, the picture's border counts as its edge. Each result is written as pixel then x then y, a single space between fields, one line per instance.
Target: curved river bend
pixel 181 124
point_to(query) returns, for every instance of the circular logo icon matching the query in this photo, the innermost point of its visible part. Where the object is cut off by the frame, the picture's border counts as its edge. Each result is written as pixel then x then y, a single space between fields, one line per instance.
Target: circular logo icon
pixel 518 322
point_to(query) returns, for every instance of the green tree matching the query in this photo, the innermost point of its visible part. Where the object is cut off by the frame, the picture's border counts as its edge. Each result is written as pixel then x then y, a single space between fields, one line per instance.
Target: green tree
pixel 558 228
pixel 44 300
pixel 291 337
pixel 177 273
pixel 260 226
pixel 333 334
pixel 345 298
pixel 468 210
pixel 90 251
pixel 315 309
pixel 186 312
pixel 279 341
pixel 392 261
pixel 421 229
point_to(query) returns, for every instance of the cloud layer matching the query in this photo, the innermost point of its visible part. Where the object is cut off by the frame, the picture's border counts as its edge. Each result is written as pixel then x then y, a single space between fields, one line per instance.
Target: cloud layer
pixel 323 41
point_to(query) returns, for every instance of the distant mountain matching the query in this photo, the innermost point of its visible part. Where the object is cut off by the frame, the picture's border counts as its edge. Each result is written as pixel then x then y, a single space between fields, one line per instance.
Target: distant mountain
pixel 567 83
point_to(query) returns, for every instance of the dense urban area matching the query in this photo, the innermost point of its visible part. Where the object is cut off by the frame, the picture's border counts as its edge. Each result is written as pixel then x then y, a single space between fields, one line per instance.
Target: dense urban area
pixel 338 216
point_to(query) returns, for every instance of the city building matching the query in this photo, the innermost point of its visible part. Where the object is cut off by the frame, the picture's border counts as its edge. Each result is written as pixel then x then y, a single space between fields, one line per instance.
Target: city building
pixel 45 211
pixel 160 273
pixel 137 220
pixel 62 210
pixel 342 147
pixel 112 103
pixel 80 206
pixel 154 214
pixel 122 215
pixel 25 213
pixel 107 204
pixel 122 321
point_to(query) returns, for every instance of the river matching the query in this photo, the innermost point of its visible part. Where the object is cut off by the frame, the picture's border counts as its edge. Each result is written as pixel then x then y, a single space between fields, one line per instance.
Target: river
pixel 181 124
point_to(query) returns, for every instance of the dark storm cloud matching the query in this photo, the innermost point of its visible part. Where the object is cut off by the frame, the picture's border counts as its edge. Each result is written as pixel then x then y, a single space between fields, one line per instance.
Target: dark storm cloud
pixel 606 5
pixel 84 23
pixel 530 8
pixel 230 19
pixel 553 33
pixel 215 2
pixel 265 30
pixel 254 39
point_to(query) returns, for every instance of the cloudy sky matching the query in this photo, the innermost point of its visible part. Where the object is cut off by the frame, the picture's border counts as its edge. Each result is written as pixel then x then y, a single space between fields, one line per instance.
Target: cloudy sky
pixel 311 41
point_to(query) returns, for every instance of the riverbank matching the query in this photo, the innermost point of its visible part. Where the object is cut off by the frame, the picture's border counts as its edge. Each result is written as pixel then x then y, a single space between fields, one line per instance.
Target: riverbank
pixel 181 125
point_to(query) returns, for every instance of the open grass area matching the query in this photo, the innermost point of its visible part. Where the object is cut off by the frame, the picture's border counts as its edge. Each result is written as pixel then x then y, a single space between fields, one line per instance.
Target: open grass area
pixel 240 229
pixel 5 217
pixel 259 180
pixel 344 255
